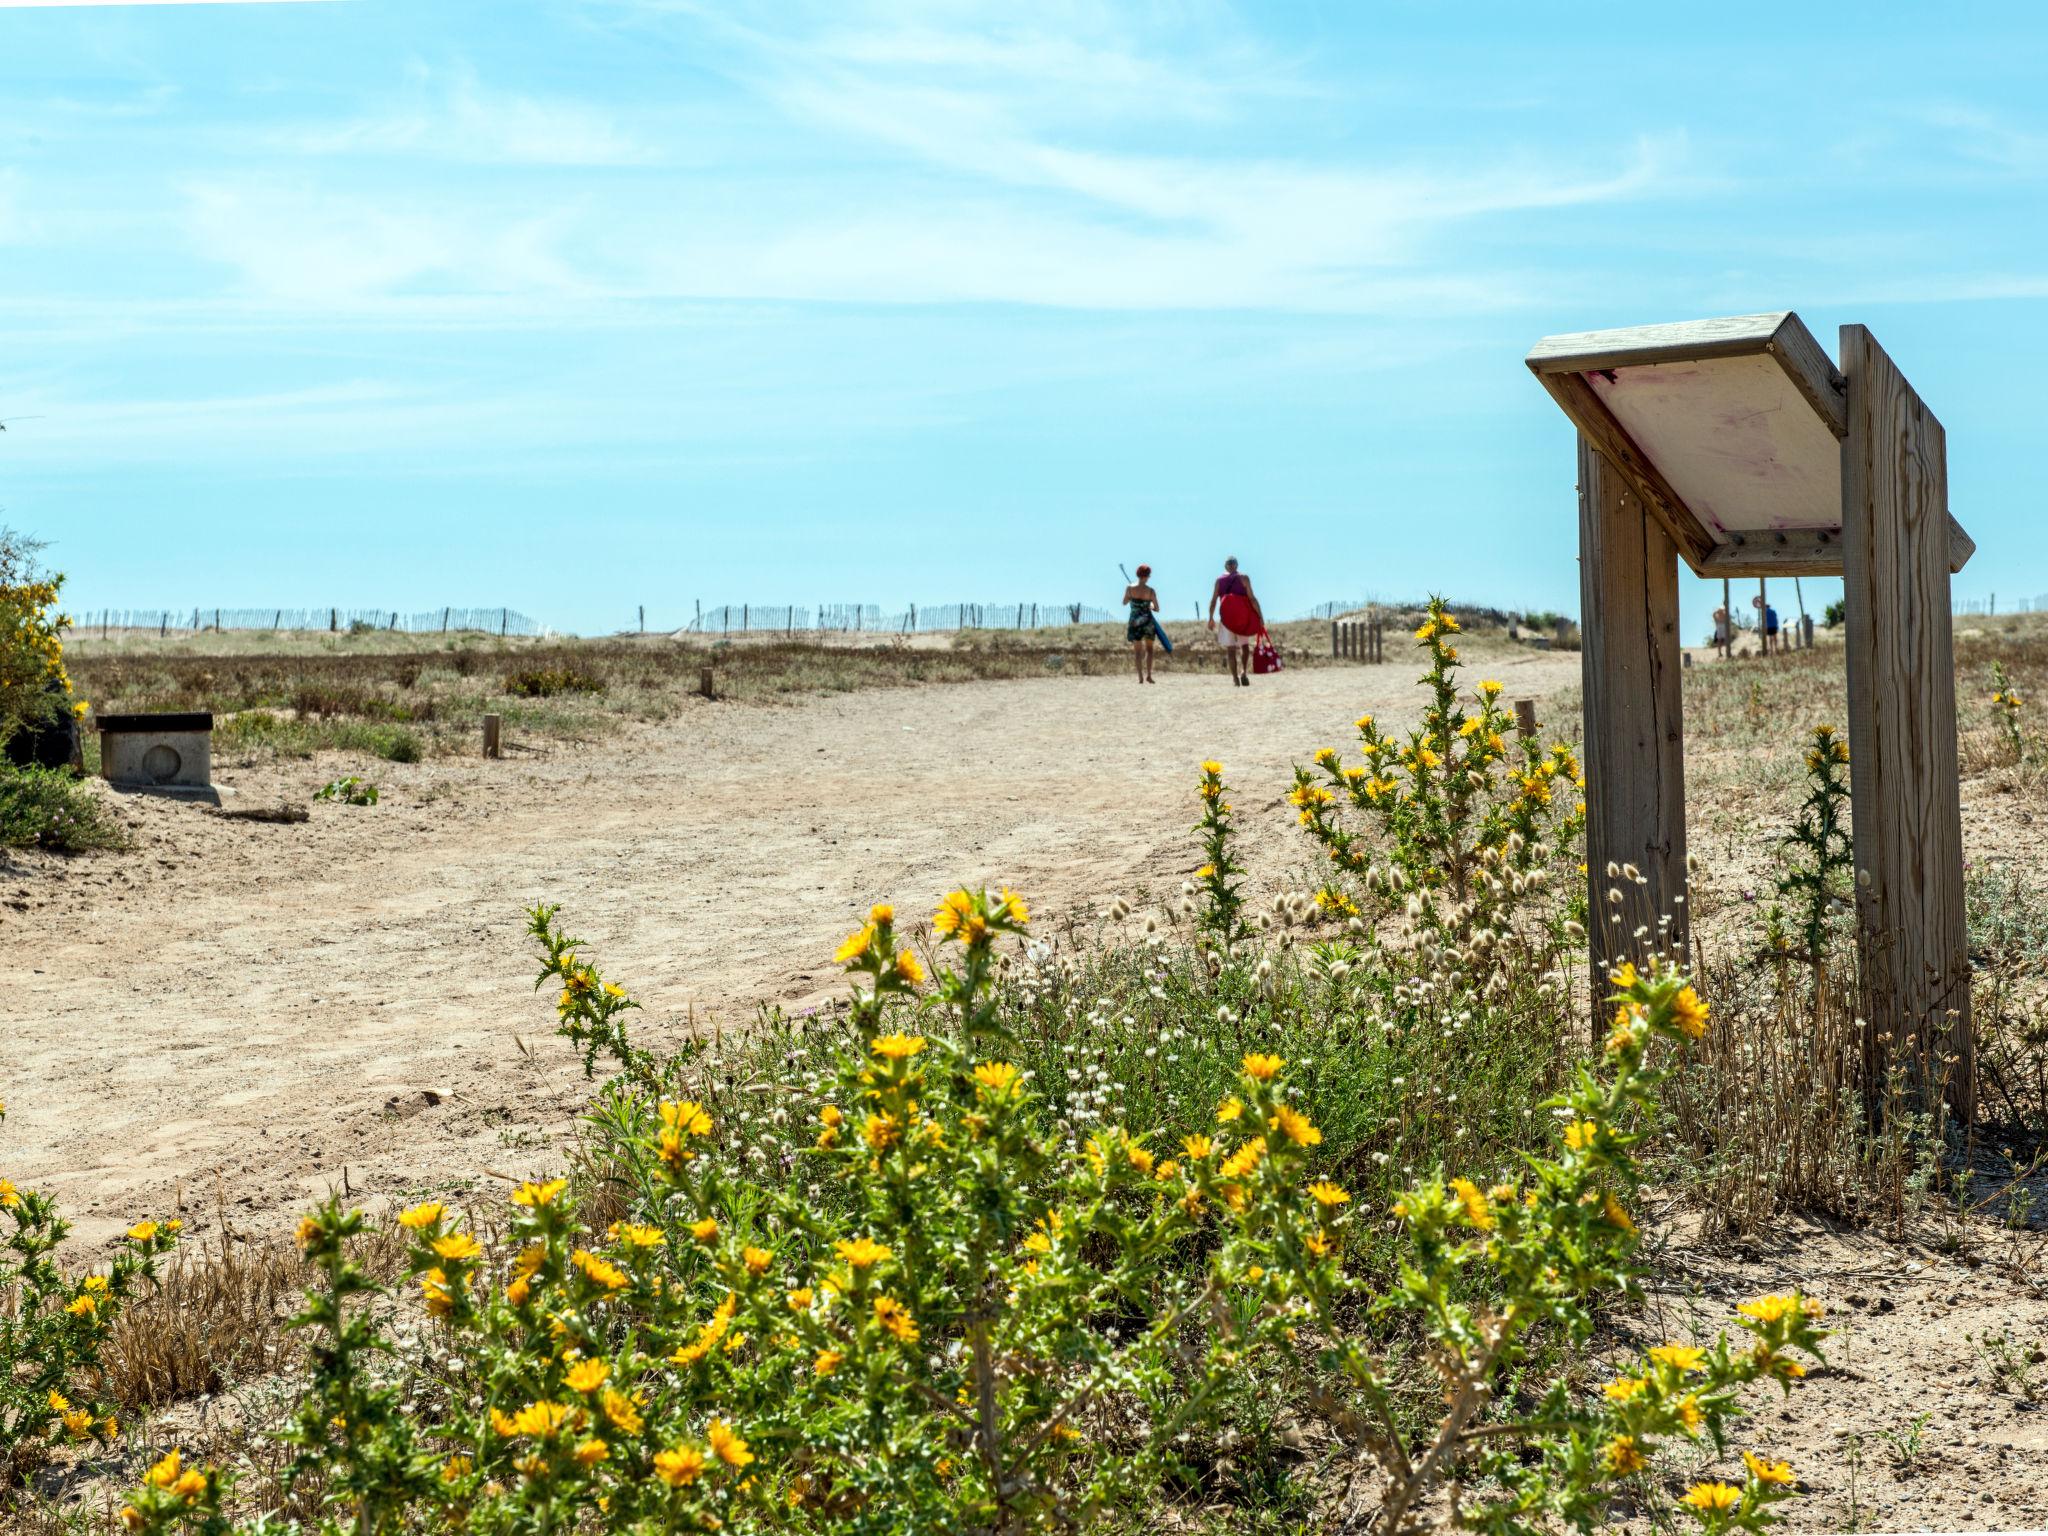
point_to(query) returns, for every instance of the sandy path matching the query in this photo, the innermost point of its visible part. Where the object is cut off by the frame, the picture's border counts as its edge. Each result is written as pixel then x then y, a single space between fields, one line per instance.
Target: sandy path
pixel 255 1013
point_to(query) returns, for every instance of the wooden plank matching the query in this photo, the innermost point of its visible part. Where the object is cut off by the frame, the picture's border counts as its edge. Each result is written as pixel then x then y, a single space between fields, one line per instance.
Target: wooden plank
pixel 1577 399
pixel 1634 734
pixel 1636 346
pixel 1812 372
pixel 1902 725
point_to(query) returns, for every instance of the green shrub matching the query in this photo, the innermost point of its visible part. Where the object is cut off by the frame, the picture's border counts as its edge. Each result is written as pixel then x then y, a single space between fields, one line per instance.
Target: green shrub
pixel 401 746
pixel 50 808
pixel 53 1325
pixel 545 682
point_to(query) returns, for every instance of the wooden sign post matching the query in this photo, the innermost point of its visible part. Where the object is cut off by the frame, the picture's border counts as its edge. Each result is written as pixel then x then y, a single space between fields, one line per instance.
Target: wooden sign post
pixel 1740 447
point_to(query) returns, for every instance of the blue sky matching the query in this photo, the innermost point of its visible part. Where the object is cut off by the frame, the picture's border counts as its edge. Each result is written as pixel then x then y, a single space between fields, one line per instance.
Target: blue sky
pixel 575 305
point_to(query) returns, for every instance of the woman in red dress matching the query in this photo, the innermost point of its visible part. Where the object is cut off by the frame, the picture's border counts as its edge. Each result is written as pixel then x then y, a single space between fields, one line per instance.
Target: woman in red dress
pixel 1242 621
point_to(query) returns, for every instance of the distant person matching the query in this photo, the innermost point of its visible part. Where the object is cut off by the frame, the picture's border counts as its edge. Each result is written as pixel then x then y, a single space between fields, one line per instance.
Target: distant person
pixel 1242 624
pixel 1724 634
pixel 1773 641
pixel 1142 628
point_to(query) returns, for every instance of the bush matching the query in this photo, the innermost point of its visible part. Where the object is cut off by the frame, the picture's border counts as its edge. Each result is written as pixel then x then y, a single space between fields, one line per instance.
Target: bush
pixel 34 689
pixel 53 1326
pixel 50 808
pixel 401 746
pixel 545 682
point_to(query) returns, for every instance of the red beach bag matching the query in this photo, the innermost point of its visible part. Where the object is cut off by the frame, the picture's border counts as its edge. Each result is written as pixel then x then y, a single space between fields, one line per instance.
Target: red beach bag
pixel 1265 654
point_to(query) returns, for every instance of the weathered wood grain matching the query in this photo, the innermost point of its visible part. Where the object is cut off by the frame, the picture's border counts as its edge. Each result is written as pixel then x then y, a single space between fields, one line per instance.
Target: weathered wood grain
pixel 1902 727
pixel 1633 346
pixel 1635 749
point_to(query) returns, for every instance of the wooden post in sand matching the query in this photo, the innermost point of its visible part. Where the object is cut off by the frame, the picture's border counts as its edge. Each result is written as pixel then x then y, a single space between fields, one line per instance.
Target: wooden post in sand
pixel 705 684
pixel 494 726
pixel 1525 718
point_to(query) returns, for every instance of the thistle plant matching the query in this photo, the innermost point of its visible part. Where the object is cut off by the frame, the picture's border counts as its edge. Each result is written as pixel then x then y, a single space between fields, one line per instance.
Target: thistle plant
pixel 1218 881
pixel 983 1323
pixel 1820 859
pixel 53 1327
pixel 1546 1249
pixel 2006 705
pixel 1459 820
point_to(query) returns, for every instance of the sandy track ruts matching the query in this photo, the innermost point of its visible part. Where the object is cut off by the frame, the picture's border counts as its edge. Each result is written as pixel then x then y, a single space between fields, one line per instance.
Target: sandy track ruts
pixel 254 1013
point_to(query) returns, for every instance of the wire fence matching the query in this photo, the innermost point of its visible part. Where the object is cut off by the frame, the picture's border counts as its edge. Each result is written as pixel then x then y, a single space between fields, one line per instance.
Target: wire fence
pixel 167 621
pixel 1988 606
pixel 869 618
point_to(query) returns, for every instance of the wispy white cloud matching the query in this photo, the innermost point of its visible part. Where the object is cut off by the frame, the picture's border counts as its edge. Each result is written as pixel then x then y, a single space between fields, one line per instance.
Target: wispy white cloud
pixel 451 115
pixel 1983 137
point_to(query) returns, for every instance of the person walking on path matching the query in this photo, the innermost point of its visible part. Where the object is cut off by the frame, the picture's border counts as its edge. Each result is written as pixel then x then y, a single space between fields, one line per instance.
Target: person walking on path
pixel 1241 620
pixel 1142 628
pixel 1724 634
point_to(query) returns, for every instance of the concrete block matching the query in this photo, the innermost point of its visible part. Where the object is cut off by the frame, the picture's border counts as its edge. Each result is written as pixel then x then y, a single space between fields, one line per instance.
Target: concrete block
pixel 166 754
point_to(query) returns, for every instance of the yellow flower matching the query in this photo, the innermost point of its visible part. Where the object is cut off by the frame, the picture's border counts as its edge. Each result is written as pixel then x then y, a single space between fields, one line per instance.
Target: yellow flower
pixel 956 915
pixel 1683 1357
pixel 896 1047
pixel 622 1411
pixel 636 1234
pixel 1262 1067
pixel 827 1362
pixel 307 1234
pixel 800 1299
pixel 1477 1209
pixel 1622 1388
pixel 1012 906
pixel 727 1444
pixel 1328 1195
pixel 1244 1159
pixel 680 1467
pixel 881 1132
pixel 539 1419
pixel 1689 1414
pixel 861 1252
pixel 1623 976
pixel 1581 1134
pixel 908 969
pixel 1229 1109
pixel 141 1232
pixel 855 945
pixel 83 1306
pixel 1620 1457
pixel 1296 1127
pixel 994 1079
pixel 1777 1472
pixel 537 1195
pixel 1139 1157
pixel 1205 872
pixel 437 1294
pixel 1489 689
pixel 1197 1146
pixel 601 1273
pixel 59 1403
pixel 881 914
pixel 705 1231
pixel 419 1217
pixel 1712 1498
pixel 1689 1013
pixel 1211 767
pixel 757 1260
pixel 686 1118
pixel 1769 1309
pixel 591 1452
pixel 586 1376
pixel 896 1319
pixel 1615 1215
pixel 456 1246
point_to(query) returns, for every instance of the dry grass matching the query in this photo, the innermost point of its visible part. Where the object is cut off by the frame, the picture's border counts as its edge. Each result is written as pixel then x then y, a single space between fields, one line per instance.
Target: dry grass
pixel 215 1316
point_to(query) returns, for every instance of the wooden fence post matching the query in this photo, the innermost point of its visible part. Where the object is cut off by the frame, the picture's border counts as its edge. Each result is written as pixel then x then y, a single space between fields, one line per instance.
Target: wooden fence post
pixel 1902 731
pixel 1635 751
pixel 1525 718
pixel 494 726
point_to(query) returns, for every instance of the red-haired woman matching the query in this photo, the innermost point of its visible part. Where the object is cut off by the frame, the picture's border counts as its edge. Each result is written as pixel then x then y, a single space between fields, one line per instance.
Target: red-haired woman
pixel 1142 628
